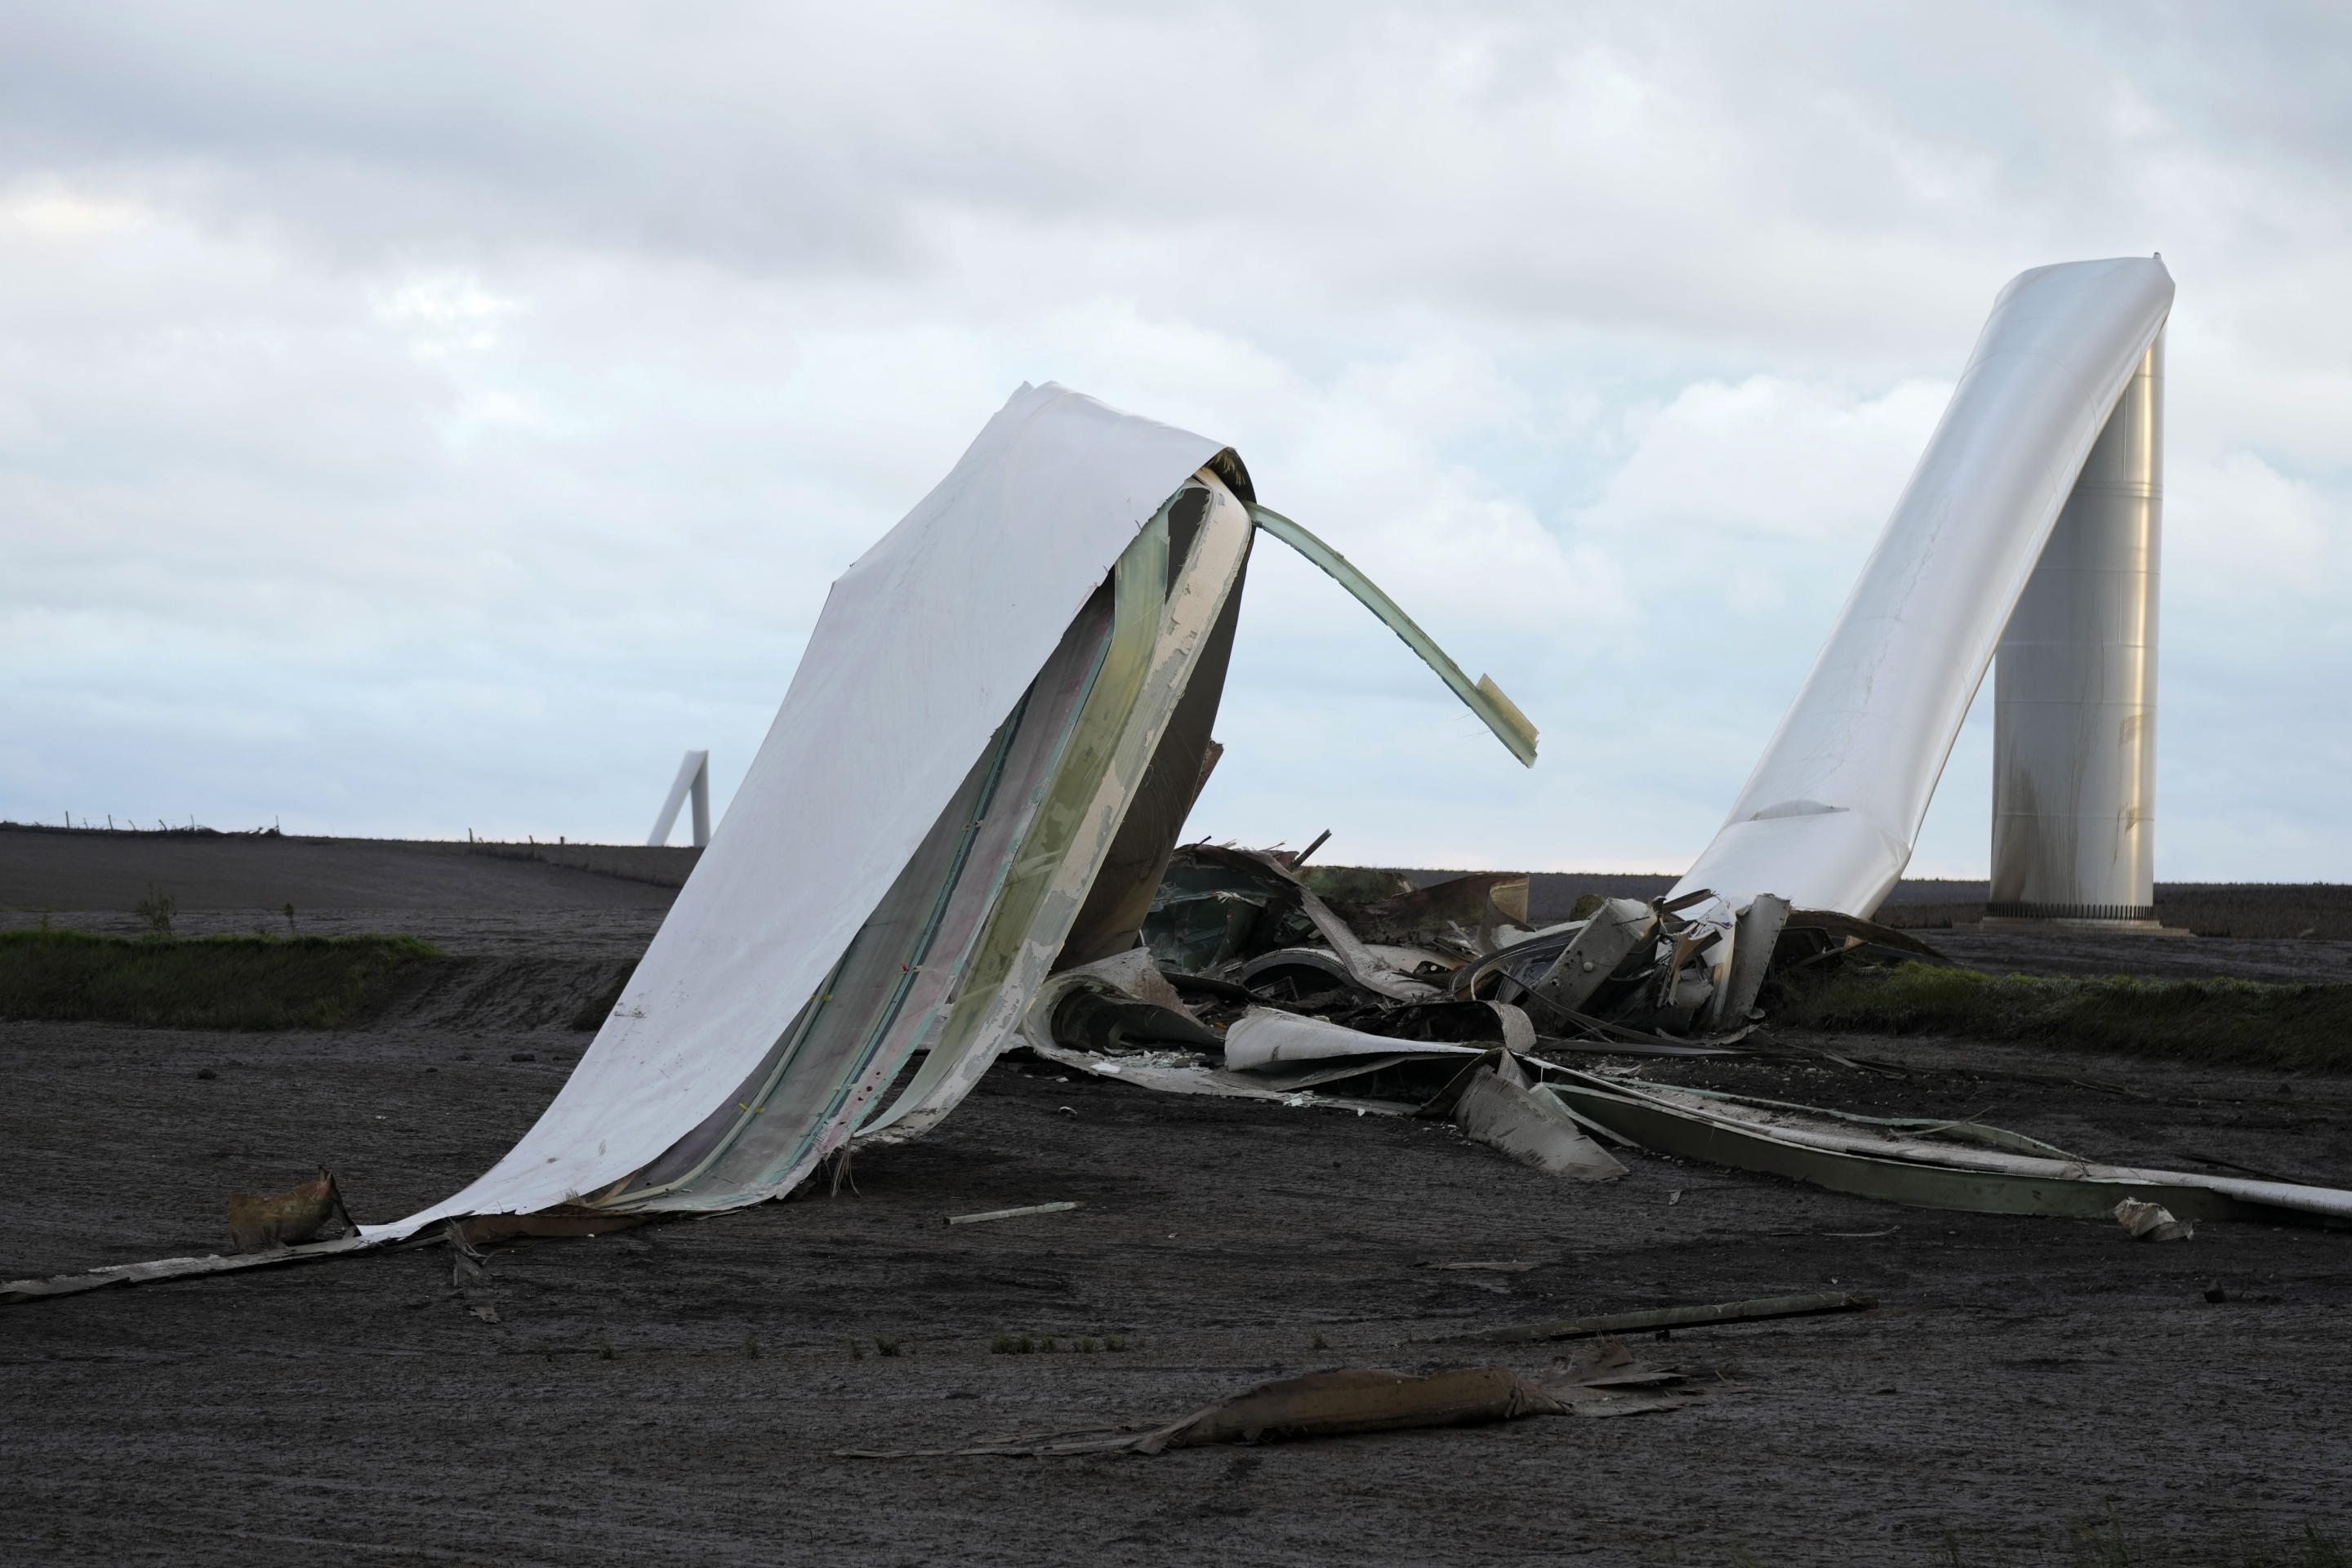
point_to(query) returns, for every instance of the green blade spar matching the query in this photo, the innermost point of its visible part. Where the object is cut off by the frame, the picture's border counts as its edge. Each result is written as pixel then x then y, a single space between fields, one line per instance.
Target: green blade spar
pixel 1481 697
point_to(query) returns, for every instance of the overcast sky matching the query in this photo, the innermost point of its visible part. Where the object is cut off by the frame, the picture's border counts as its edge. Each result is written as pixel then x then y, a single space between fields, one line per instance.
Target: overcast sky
pixel 429 418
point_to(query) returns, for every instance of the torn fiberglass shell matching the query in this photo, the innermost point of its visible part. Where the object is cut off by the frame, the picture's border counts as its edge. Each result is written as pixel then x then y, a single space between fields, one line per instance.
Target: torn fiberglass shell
pixel 949 959
pixel 966 790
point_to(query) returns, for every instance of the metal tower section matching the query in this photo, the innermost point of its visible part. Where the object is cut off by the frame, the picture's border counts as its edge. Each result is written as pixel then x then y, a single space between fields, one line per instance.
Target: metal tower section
pixel 2073 803
pixel 1828 819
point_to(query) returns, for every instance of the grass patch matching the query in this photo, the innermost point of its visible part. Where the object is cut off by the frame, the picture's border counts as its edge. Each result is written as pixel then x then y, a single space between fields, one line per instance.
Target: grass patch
pixel 199 982
pixel 2239 1022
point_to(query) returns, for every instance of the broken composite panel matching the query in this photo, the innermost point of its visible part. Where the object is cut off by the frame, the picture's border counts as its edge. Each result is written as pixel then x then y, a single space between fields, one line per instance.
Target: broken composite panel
pixel 977 779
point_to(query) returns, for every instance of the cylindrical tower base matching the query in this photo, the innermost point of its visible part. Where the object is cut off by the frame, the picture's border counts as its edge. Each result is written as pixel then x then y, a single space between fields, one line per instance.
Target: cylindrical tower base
pixel 2074 814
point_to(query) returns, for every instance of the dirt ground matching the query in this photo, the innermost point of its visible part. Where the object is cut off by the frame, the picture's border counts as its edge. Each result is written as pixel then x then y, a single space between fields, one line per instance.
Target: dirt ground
pixel 257 875
pixel 678 1394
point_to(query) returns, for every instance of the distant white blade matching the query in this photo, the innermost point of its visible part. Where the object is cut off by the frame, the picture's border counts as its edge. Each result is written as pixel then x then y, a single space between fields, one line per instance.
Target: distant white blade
pixel 694 774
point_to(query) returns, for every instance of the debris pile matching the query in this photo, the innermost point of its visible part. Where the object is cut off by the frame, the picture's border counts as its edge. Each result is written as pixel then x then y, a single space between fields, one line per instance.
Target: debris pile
pixel 1255 977
pixel 1239 936
pixel 1259 978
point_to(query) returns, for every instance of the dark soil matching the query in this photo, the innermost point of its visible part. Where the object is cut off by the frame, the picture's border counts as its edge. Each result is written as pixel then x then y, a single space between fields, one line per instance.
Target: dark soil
pixel 60 868
pixel 2019 1374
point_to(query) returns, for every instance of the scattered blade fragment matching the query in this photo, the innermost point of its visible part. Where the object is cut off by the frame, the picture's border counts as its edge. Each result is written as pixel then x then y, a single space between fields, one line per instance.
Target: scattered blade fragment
pixel 1928 1164
pixel 1603 1378
pixel 1265 1036
pixel 1756 937
pixel 1354 1399
pixel 164 1268
pixel 2152 1222
pixel 988 1215
pixel 1532 1130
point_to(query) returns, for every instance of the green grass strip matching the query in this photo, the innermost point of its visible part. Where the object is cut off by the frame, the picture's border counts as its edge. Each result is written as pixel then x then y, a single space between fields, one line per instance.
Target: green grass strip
pixel 199 982
pixel 2238 1022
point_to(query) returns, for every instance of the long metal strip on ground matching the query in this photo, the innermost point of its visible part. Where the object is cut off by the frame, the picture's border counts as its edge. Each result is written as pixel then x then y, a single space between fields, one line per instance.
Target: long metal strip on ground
pixel 1912 1170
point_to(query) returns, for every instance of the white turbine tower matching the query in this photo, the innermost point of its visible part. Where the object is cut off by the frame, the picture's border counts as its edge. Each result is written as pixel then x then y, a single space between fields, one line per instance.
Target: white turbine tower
pixel 2030 529
pixel 2074 728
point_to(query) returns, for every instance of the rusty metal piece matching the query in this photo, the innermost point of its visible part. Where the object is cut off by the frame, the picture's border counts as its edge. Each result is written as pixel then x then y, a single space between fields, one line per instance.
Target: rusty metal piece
pixel 259 1222
pixel 564 1219
pixel 1355 1399
pixel 1604 1380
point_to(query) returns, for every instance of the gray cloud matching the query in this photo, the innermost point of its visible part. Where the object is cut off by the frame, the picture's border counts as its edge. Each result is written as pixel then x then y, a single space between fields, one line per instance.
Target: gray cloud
pixel 439 417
